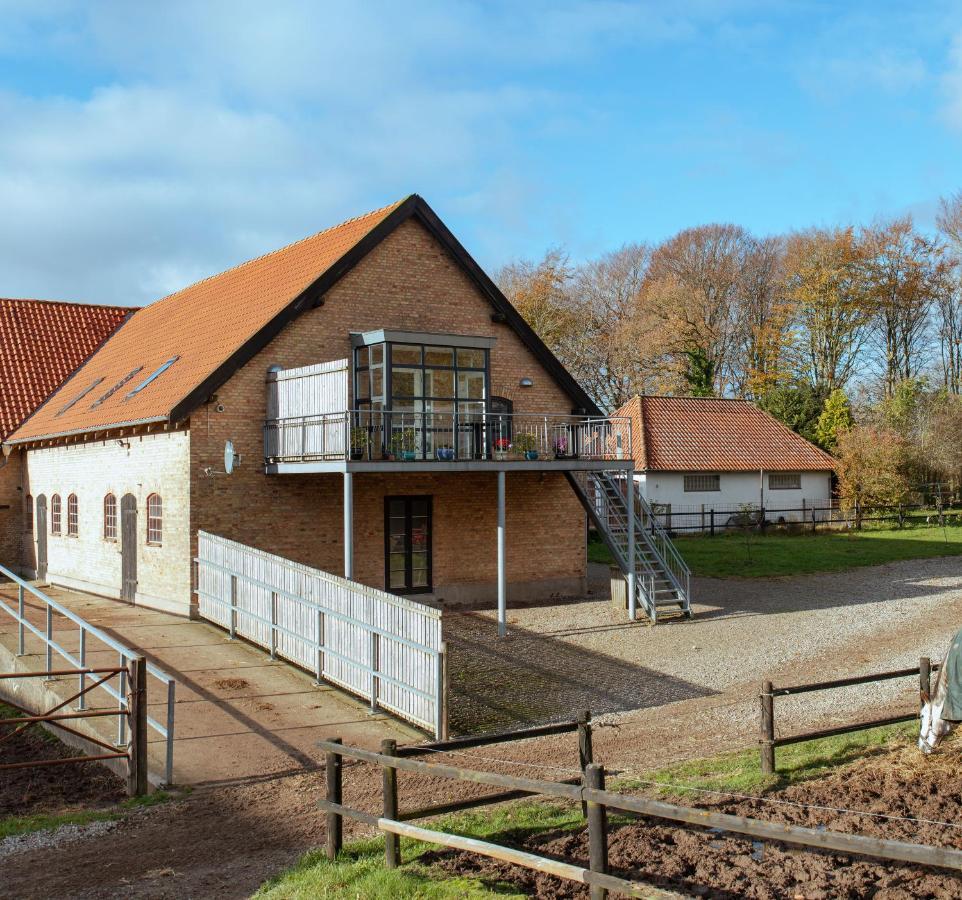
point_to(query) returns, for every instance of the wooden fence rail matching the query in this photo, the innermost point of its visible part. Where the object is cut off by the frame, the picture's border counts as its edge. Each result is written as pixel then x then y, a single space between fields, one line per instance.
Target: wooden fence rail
pixel 598 803
pixel 768 742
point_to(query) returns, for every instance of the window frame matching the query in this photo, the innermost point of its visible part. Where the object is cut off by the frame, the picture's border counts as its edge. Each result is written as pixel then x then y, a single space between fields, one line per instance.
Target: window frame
pixel 56 515
pixel 155 521
pixel 409 500
pixel 28 514
pixel 73 516
pixel 700 488
pixel 111 519
pixel 796 484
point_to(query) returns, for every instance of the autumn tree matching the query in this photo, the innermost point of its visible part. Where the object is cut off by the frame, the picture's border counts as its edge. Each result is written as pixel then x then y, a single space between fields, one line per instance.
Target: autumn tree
pixel 871 469
pixel 835 419
pixel 948 302
pixel 903 273
pixel 824 278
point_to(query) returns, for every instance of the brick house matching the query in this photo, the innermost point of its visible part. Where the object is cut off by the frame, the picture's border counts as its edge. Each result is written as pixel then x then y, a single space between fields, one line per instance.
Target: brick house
pixel 41 343
pixel 381 409
pixel 695 454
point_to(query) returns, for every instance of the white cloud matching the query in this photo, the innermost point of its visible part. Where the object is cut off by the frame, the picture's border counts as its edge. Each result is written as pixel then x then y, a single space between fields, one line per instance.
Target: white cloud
pixel 952 85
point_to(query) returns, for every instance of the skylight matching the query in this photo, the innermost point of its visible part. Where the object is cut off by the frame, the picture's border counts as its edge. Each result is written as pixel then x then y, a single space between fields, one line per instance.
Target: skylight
pixel 116 387
pixel 79 397
pixel 151 377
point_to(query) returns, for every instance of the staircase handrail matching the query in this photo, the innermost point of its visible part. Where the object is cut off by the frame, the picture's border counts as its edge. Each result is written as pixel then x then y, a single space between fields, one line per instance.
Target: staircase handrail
pixel 665 549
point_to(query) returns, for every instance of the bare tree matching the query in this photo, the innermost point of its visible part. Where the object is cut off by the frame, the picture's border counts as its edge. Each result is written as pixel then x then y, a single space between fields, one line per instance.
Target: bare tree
pixel 904 271
pixel 949 298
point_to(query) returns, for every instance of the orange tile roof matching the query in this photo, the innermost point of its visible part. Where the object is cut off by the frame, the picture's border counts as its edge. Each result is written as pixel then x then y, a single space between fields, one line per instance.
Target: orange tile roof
pixel 41 343
pixel 203 325
pixel 708 434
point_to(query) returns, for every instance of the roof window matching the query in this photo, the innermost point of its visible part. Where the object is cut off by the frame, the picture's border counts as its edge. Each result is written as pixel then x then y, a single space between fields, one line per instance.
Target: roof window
pixel 78 398
pixel 151 377
pixel 116 387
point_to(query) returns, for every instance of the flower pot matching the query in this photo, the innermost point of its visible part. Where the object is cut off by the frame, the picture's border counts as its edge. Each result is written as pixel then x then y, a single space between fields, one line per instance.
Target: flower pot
pixel 445 454
pixel 408 455
pixel 530 454
pixel 501 455
pixel 357 454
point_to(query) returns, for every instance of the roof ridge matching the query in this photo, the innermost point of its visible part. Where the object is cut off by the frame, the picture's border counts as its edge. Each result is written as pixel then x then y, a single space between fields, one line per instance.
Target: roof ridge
pixel 302 240
pixel 83 303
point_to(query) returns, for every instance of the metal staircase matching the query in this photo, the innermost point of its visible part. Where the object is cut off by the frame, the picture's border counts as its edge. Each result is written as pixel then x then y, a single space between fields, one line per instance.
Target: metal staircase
pixel 662 578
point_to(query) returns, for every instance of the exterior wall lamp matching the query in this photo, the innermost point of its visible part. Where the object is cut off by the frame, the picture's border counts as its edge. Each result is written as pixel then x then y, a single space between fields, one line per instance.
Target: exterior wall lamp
pixel 526 382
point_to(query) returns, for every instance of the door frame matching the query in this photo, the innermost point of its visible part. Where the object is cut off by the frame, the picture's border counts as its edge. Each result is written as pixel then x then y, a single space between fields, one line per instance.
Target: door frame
pixel 408 498
pixel 40 526
pixel 128 593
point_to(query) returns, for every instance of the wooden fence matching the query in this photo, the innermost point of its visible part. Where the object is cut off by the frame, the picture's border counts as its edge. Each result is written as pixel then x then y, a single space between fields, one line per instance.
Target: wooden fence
pixel 769 742
pixel 383 648
pixel 596 804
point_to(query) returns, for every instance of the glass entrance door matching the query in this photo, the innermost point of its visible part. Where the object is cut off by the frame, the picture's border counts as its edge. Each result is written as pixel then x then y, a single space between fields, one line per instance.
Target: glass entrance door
pixel 407 551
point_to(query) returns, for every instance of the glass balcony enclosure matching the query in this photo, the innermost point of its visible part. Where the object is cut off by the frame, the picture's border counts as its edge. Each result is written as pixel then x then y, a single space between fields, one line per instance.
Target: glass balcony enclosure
pixel 421 401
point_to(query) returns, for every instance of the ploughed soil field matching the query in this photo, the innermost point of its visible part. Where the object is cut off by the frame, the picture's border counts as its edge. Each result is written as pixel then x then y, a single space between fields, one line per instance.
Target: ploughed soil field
pixel 697 862
pixel 49 789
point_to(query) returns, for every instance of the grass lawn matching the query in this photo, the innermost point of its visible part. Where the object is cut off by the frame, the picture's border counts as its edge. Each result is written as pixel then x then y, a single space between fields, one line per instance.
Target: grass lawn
pixel 752 555
pixel 358 870
pixel 14 825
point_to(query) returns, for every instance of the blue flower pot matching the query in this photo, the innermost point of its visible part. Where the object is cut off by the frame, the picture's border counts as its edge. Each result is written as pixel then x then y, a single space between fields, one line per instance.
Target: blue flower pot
pixel 446 454
pixel 530 454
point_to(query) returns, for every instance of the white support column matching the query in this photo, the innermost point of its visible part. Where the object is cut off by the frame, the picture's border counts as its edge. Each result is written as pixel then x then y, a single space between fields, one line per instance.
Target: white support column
pixel 502 593
pixel 348 525
pixel 632 603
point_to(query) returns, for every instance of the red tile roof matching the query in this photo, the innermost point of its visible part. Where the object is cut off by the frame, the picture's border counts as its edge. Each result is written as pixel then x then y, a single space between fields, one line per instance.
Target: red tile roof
pixel 202 326
pixel 41 343
pixel 707 434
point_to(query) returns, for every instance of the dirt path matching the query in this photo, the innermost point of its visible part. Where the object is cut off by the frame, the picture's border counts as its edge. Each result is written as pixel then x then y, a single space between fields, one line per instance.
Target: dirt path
pixel 227 840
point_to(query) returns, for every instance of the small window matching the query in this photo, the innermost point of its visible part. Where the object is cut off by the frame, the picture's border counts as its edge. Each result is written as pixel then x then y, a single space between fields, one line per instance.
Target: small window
pixel 73 524
pixel 155 519
pixel 78 398
pixel 785 481
pixel 28 514
pixel 116 387
pixel 151 377
pixel 55 514
pixel 710 481
pixel 110 518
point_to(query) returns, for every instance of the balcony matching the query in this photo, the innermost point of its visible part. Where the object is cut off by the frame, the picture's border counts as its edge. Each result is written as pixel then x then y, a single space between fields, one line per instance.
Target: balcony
pixel 366 440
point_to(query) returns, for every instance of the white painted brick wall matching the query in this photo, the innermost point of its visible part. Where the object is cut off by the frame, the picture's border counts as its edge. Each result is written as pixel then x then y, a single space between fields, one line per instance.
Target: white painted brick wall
pixel 141 466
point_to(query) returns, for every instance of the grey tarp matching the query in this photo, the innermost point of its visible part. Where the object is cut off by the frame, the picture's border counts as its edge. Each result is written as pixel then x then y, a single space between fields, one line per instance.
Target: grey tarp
pixel 952 671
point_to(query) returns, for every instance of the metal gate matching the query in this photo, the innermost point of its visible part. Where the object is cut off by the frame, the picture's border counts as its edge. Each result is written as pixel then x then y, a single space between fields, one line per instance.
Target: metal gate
pixel 42 538
pixel 128 548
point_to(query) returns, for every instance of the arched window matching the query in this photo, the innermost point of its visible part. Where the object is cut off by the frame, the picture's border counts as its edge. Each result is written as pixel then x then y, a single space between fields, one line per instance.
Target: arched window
pixel 55 514
pixel 73 525
pixel 155 519
pixel 110 518
pixel 28 513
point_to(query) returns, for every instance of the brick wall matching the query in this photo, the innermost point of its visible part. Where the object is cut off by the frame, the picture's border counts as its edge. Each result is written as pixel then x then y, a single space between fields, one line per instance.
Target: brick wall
pixel 12 519
pixel 139 465
pixel 408 282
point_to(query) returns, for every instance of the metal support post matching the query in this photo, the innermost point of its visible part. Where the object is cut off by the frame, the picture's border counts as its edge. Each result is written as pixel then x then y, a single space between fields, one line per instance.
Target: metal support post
pixel 348 525
pixel 630 499
pixel 502 586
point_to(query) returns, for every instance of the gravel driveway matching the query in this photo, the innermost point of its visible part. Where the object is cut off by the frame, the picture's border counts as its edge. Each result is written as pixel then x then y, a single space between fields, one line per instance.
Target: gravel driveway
pixel 562 658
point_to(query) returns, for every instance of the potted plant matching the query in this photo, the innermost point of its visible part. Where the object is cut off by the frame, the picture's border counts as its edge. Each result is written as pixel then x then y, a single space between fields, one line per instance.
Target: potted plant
pixel 560 446
pixel 402 445
pixel 501 447
pixel 359 442
pixel 526 445
pixel 445 452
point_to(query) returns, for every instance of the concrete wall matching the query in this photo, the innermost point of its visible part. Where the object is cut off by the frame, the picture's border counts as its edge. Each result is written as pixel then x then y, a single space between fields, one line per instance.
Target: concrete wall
pixel 736 488
pixel 408 282
pixel 140 465
pixel 12 519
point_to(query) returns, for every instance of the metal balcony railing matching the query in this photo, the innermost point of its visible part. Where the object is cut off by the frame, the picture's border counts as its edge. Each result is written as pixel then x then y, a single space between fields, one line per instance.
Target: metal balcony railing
pixel 423 436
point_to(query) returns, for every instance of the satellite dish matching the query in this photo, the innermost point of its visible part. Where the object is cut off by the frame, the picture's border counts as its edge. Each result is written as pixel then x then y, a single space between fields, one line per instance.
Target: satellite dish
pixel 230 457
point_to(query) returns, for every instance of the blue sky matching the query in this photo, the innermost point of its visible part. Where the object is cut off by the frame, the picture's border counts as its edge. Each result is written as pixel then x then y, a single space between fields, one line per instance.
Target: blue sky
pixel 143 146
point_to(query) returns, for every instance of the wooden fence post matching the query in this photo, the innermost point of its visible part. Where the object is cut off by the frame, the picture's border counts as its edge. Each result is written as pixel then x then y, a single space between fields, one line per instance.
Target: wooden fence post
pixel 597 829
pixel 768 729
pixel 443 693
pixel 585 752
pixel 335 825
pixel 233 606
pixel 137 740
pixel 392 843
pixel 274 600
pixel 925 679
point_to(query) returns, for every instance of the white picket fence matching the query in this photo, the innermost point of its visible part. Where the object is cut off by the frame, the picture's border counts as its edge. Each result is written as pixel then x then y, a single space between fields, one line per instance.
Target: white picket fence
pixel 381 647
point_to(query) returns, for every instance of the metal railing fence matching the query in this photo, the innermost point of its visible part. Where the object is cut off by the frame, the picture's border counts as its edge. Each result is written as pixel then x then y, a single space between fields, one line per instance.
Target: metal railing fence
pixel 88 633
pixel 657 538
pixel 383 648
pixel 445 436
